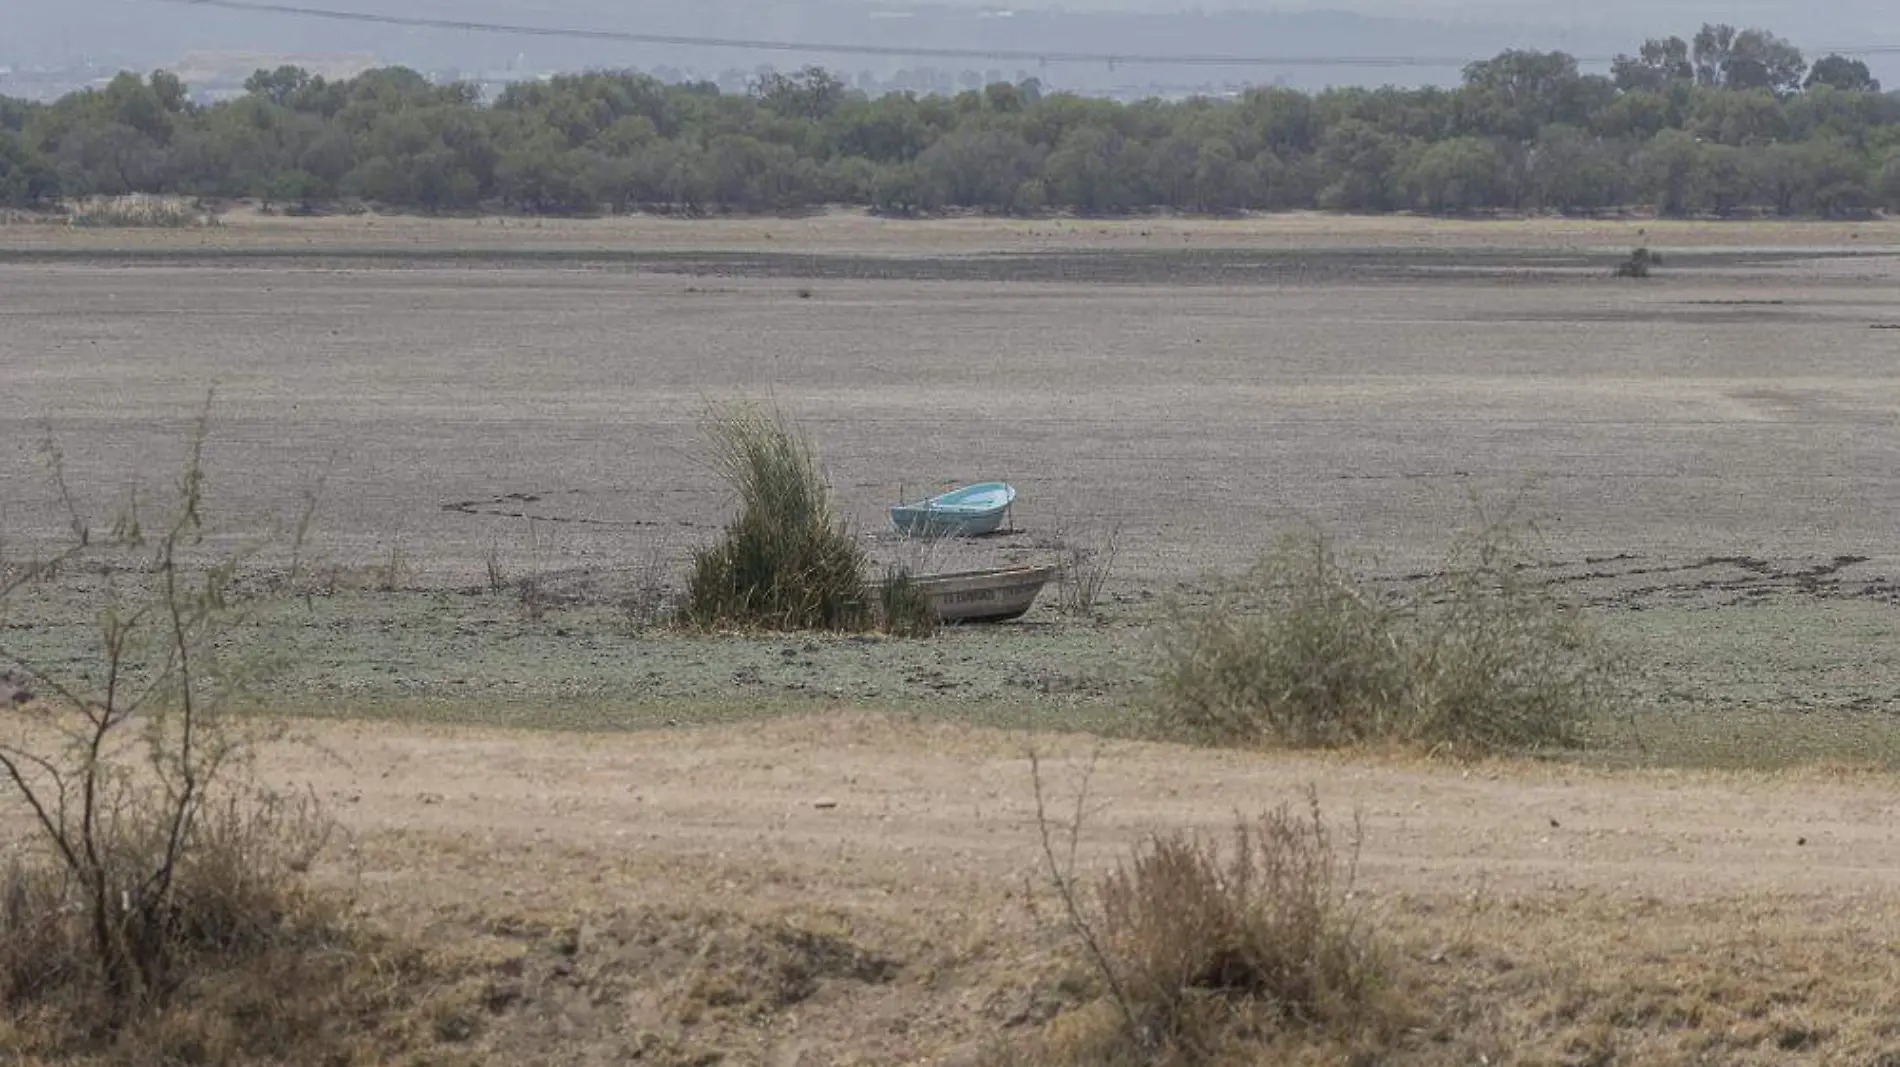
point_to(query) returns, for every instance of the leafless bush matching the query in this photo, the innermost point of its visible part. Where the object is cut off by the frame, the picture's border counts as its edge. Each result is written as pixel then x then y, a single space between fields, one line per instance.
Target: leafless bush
pixel 531 589
pixel 143 858
pixel 1085 565
pixel 1198 946
pixel 493 568
pixel 649 600
pixel 1197 930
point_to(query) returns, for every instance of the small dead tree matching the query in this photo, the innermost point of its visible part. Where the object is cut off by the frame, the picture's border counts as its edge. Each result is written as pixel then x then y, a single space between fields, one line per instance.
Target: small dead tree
pixel 118 762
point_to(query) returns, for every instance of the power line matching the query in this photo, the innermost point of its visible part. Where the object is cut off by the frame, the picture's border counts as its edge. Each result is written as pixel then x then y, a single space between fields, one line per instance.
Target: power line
pixel 837 48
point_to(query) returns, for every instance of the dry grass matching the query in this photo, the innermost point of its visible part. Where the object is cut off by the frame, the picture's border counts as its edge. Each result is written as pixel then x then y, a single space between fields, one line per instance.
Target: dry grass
pixel 855 230
pixel 1305 652
pixel 1563 979
pixel 1205 952
pixel 139 211
pixel 1086 559
pixel 263 967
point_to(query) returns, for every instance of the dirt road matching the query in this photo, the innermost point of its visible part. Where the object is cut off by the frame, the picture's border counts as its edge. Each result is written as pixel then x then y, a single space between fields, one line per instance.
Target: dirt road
pixel 869 799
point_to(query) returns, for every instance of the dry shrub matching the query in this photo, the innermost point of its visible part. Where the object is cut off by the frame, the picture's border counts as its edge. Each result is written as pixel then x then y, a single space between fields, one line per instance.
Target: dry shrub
pixel 1304 652
pixel 1639 263
pixel 1299 652
pixel 238 889
pixel 139 211
pixel 1217 954
pixel 1086 563
pixel 1257 935
pixel 258 965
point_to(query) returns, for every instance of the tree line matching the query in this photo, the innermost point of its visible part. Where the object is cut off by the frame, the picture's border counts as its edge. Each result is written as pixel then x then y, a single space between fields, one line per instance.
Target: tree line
pixel 1727 122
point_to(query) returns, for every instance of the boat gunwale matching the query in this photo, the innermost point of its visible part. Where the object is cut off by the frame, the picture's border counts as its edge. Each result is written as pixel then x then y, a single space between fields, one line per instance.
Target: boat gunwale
pixel 1044 570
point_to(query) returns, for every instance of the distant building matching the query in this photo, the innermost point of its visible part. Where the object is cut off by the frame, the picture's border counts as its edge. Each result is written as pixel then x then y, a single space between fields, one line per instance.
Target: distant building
pixel 218 74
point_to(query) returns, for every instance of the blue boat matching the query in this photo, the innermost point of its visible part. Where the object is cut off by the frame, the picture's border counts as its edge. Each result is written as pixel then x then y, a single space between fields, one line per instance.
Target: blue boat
pixel 971 511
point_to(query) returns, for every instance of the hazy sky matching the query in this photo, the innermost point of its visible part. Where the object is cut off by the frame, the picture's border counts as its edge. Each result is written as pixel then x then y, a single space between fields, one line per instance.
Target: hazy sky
pixel 140 34
pixel 1859 20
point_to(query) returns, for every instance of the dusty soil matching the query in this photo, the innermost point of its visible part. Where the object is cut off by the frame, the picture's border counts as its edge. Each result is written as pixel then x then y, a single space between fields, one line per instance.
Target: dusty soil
pixel 1711 456
pixel 1727 409
pixel 916 846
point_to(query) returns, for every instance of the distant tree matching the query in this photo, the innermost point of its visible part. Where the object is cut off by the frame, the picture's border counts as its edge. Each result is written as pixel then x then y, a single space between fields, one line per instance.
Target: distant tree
pixel 1458 175
pixel 1519 92
pixel 1168 173
pixel 546 176
pixel 1748 59
pixel 1839 72
pixel 1279 121
pixel 1571 170
pixel 280 86
pixel 1738 117
pixel 25 179
pixel 981 168
pixel 1719 123
pixel 1660 62
pixel 1824 111
pixel 1638 115
pixel 1889 181
pixel 1088 170
pixel 1359 162
pixel 1667 170
pixel 812 94
pixel 1825 178
pixel 1222 180
pixel 15 114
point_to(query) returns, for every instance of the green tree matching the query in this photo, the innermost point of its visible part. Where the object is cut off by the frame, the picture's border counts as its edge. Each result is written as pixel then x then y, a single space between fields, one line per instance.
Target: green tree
pixel 1223 181
pixel 1667 170
pixel 981 168
pixel 1278 121
pixel 1839 72
pixel 1738 117
pixel 1518 93
pixel 1889 181
pixel 25 179
pixel 1748 59
pixel 1660 63
pixel 546 176
pixel 1087 170
pixel 1571 170
pixel 281 86
pixel 1359 162
pixel 1462 174
pixel 812 94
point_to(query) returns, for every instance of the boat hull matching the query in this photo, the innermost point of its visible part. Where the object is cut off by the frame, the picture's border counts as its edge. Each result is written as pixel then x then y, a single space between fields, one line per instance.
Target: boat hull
pixel 972 511
pixel 982 596
pixel 921 521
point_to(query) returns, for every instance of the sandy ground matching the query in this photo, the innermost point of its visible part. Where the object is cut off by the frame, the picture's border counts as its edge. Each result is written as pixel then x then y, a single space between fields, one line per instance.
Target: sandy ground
pixel 849 231
pixel 1534 911
pixel 1726 429
pixel 869 797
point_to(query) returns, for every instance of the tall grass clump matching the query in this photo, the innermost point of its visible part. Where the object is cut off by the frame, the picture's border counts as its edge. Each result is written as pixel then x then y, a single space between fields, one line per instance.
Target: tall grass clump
pixel 903 609
pixel 786 562
pixel 1303 651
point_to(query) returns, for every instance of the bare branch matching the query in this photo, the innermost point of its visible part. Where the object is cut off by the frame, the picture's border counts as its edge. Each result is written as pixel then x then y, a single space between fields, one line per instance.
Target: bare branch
pixel 1062 877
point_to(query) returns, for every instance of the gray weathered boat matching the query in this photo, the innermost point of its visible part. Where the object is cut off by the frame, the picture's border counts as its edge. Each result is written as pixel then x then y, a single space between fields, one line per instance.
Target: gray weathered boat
pixel 993 595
